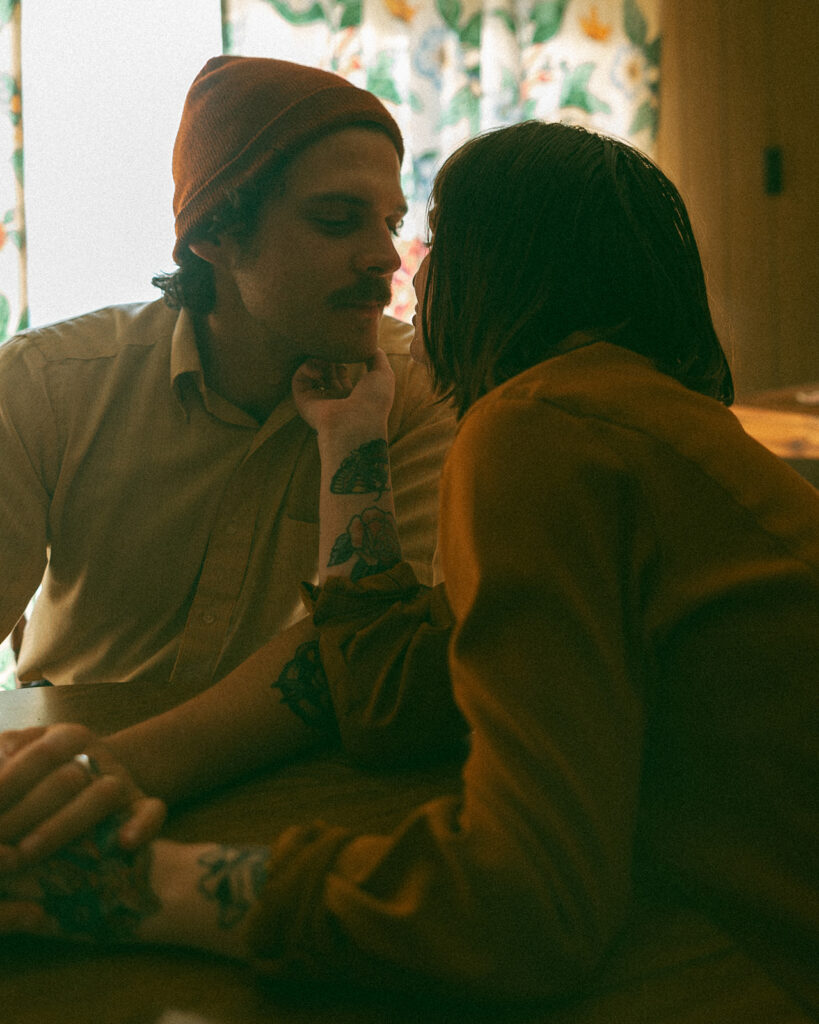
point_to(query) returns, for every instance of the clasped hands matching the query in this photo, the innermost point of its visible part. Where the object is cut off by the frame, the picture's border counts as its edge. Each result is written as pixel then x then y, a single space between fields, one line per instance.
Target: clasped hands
pixel 91 870
pixel 49 800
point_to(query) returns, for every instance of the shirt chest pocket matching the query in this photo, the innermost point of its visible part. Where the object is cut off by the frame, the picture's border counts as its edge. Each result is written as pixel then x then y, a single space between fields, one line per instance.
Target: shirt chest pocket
pixel 301 500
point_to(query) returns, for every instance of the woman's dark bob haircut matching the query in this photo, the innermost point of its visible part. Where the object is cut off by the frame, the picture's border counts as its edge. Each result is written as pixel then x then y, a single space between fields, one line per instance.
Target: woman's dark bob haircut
pixel 541 230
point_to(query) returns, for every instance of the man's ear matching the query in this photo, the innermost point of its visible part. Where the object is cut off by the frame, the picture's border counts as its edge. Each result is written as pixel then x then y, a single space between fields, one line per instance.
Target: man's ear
pixel 210 252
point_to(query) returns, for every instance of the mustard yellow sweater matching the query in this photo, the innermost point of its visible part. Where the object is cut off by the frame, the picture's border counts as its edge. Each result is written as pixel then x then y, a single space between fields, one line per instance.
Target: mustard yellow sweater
pixel 632 612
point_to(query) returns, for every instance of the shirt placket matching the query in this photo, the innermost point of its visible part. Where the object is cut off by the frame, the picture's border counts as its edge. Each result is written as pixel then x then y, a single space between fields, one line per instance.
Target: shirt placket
pixel 226 560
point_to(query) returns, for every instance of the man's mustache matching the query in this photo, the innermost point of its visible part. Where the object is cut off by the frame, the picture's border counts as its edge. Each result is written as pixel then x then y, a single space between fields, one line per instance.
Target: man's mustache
pixel 368 289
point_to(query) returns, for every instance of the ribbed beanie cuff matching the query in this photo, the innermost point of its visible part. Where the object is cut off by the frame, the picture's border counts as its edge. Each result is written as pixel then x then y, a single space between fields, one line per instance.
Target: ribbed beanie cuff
pixel 244 114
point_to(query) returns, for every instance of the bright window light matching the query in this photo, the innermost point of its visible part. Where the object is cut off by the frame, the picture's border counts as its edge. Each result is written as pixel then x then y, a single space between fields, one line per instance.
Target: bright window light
pixel 103 88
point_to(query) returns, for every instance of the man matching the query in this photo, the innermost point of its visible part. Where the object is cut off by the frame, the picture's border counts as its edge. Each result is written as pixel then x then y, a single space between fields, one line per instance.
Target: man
pixel 155 474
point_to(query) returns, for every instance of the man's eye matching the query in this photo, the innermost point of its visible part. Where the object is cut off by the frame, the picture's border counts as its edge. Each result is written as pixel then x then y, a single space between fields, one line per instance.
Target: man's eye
pixel 395 229
pixel 335 227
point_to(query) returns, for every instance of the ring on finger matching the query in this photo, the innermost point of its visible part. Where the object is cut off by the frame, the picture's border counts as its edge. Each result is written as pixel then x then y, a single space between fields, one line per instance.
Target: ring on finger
pixel 88 765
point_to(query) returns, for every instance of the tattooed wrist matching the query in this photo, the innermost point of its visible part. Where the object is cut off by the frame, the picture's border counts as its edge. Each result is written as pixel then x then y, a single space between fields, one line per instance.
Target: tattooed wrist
pixel 372 539
pixel 234 877
pixel 366 470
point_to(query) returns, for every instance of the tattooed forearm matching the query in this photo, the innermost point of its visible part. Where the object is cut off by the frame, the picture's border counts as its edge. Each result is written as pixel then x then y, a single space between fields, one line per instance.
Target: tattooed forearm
pixel 234 878
pixel 92 889
pixel 305 689
pixel 364 471
pixel 372 539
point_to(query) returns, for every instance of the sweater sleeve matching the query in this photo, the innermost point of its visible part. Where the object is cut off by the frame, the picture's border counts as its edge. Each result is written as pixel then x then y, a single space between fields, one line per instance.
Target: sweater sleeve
pixel 516 888
pixel 383 642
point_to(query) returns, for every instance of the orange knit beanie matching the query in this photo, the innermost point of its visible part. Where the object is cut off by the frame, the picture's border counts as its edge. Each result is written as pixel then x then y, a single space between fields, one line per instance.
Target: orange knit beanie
pixel 242 114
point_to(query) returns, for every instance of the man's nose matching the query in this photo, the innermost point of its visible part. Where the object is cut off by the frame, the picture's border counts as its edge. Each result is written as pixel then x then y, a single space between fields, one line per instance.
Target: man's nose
pixel 378 257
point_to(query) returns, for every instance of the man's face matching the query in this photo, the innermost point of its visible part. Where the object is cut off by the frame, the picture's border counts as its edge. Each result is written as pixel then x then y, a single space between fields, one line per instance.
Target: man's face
pixel 315 278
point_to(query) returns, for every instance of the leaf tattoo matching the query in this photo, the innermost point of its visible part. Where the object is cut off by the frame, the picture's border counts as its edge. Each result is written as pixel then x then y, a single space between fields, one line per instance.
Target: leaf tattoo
pixel 363 471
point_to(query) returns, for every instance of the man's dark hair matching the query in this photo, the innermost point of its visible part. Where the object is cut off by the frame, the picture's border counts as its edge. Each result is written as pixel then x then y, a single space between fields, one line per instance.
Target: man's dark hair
pixel 191 285
pixel 541 230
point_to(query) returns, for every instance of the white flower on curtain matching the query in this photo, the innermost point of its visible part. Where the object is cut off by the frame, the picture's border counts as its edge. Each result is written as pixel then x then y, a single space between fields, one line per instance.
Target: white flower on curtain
pixel 448 69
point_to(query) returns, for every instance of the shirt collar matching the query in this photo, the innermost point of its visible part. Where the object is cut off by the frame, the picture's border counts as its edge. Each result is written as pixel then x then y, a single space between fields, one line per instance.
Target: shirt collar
pixel 187 376
pixel 184 354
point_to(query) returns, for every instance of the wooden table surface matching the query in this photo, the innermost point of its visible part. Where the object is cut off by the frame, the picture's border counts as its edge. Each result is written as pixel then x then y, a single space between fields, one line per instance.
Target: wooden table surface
pixel 786 420
pixel 667 966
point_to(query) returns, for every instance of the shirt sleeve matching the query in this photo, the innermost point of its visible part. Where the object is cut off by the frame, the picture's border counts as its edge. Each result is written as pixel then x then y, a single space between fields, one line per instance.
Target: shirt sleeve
pixel 517 887
pixel 28 456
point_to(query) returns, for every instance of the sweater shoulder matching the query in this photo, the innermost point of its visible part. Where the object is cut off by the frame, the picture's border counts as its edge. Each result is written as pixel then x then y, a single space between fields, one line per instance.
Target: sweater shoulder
pixel 623 395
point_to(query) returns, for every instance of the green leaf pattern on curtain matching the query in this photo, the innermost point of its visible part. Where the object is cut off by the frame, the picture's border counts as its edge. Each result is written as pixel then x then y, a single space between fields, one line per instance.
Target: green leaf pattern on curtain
pixel 13 313
pixel 448 69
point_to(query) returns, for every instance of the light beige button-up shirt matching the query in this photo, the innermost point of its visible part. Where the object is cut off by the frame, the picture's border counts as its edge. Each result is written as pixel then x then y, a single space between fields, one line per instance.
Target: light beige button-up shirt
pixel 170 529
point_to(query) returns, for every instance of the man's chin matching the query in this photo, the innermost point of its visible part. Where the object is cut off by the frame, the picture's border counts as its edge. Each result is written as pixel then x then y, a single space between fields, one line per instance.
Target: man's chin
pixel 359 344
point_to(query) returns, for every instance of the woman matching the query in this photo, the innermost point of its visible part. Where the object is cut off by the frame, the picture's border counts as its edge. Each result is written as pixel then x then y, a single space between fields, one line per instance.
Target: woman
pixel 632 587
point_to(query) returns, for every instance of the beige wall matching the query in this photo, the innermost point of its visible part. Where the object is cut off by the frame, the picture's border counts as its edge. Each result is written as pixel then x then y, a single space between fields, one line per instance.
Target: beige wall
pixel 737 76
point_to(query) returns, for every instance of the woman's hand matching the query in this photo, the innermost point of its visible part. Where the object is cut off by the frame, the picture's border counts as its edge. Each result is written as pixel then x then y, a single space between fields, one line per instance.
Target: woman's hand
pixel 358 534
pixel 49 795
pixel 328 402
pixel 180 894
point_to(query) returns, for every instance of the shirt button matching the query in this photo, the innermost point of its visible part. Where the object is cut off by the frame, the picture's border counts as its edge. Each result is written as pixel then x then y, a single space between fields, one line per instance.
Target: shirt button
pixel 207 618
pixel 231 528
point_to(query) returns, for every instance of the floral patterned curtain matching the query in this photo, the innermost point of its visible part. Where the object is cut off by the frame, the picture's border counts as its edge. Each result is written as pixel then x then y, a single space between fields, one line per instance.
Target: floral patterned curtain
pixel 448 69
pixel 13 311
